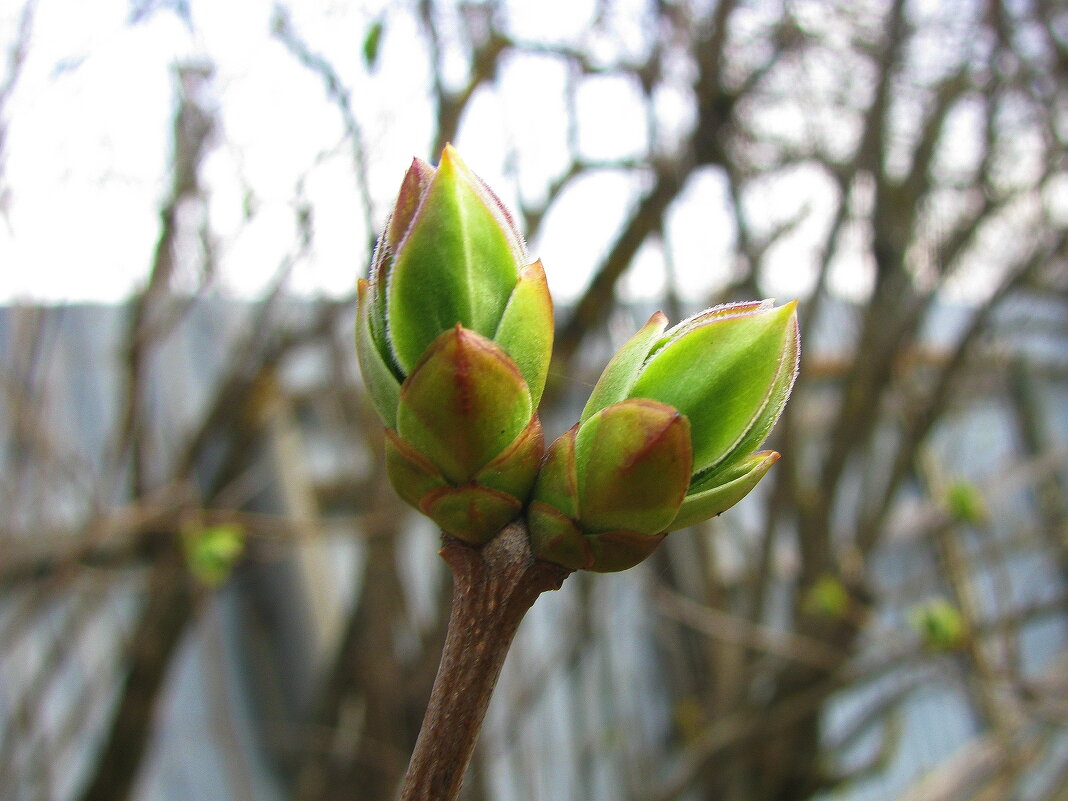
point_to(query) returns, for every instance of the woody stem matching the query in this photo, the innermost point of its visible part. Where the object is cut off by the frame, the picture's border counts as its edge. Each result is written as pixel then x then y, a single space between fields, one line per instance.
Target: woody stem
pixel 493 587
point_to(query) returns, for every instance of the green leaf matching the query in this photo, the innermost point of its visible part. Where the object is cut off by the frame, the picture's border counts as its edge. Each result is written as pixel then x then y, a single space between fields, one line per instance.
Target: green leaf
pixel 516 468
pixel 414 187
pixel 212 552
pixel 965 503
pixel 526 328
pixel 371 43
pixel 463 404
pixel 458 263
pixel 624 367
pixel 940 624
pixel 776 400
pixel 720 312
pixel 557 484
pixel 827 597
pixel 471 513
pixel 633 463
pixel 721 375
pixel 711 498
pixel 380 381
pixel 621 550
pixel 412 475
pixel 555 537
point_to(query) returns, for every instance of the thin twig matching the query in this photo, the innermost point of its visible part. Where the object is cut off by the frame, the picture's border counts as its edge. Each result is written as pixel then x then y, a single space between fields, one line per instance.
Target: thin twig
pixel 494 586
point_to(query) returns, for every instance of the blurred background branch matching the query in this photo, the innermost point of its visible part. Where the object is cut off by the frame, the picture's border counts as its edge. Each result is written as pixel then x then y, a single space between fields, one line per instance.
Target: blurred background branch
pixel 188 196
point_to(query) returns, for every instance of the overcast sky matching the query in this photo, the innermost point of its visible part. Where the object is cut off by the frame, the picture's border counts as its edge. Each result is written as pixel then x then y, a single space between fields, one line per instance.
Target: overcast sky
pixel 90 127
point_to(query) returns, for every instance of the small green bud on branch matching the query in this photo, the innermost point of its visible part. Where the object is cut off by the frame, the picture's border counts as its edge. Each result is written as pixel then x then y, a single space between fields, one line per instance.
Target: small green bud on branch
pixel 669 435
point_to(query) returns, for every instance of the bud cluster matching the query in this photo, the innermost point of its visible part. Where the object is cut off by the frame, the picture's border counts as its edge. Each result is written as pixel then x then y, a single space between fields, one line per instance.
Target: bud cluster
pixel 454 336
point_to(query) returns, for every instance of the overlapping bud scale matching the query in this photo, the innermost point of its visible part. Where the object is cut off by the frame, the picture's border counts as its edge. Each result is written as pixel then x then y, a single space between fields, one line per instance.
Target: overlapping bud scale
pixel 454 334
pixel 668 437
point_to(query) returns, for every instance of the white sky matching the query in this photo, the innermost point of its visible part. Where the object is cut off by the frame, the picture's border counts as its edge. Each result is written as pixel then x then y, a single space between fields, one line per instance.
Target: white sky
pixel 90 134
pixel 90 130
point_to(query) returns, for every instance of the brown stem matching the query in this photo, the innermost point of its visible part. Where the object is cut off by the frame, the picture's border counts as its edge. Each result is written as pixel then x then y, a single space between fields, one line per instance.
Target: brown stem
pixel 493 587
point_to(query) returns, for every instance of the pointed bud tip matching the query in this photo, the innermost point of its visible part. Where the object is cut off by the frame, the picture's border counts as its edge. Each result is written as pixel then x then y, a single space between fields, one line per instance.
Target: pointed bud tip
pixel 450 158
pixel 409 198
pixel 454 344
pixel 465 337
pixel 534 270
pixel 420 172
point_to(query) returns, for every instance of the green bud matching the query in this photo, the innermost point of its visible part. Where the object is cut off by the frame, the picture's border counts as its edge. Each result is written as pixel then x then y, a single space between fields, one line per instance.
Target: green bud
pixel 610 486
pixel 454 333
pixel 669 435
pixel 827 597
pixel 212 552
pixel 965 503
pixel 940 624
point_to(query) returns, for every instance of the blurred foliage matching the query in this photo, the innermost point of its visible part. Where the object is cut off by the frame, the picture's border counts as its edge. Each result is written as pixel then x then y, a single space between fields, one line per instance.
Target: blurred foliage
pixel 213 551
pixel 965 503
pixel 898 167
pixel 940 625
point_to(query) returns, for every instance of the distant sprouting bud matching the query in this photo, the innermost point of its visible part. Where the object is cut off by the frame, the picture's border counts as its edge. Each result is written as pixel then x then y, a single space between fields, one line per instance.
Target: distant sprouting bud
pixel 965 503
pixel 827 597
pixel 211 552
pixel 940 625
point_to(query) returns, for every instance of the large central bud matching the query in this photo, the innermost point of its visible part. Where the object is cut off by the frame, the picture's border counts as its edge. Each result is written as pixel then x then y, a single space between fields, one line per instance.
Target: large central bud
pixel 454 335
